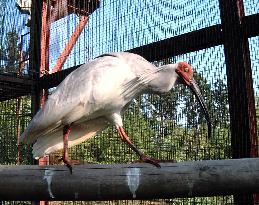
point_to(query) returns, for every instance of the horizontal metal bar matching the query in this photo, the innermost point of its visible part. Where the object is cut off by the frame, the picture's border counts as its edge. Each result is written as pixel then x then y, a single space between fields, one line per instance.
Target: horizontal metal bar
pixel 185 43
pixel 189 42
pixel 54 79
pixel 16 79
pixel 204 38
pixel 251 25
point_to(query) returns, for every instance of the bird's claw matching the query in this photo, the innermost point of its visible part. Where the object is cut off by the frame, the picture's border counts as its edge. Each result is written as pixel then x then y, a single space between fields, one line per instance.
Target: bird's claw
pixel 154 162
pixel 69 163
pixel 168 161
pixel 69 166
pixel 150 160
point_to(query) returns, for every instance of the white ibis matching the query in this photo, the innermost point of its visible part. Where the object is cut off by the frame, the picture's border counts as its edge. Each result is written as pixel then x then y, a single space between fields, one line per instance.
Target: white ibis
pixel 95 95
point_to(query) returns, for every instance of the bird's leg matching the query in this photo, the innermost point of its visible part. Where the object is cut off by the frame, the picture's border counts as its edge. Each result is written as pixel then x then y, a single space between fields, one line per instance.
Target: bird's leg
pixel 66 159
pixel 143 158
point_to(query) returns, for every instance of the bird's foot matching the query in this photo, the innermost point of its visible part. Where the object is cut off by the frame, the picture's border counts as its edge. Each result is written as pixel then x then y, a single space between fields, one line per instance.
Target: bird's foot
pixel 168 161
pixel 150 160
pixel 154 162
pixel 69 163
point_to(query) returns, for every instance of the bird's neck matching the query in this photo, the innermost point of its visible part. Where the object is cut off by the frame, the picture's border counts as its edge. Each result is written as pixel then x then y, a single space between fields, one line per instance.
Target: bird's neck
pixel 164 79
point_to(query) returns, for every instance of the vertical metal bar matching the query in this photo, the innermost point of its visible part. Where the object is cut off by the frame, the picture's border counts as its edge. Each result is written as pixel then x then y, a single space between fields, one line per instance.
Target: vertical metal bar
pixel 35 39
pixel 45 38
pixel 35 54
pixel 18 113
pixel 21 60
pixel 44 66
pixel 240 86
pixel 45 35
pixel 19 105
pixel 68 48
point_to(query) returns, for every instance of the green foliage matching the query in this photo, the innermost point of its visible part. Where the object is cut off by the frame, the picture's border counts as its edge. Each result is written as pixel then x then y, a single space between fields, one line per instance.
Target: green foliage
pixel 10 52
pixel 10 124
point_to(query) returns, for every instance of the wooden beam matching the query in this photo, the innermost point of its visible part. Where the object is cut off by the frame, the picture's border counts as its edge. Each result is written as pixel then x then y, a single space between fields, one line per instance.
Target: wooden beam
pixel 129 181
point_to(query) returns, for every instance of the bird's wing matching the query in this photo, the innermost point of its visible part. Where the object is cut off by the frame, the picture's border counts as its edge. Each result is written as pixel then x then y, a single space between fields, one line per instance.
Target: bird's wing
pixel 52 142
pixel 63 107
pixel 98 86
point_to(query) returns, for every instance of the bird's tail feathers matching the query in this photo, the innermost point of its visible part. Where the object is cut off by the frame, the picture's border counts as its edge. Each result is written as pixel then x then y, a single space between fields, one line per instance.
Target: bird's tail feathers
pixel 52 142
pixel 29 136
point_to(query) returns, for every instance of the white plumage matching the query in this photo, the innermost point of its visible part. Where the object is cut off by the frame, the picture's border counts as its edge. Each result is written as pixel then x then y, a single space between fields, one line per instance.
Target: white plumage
pixel 94 96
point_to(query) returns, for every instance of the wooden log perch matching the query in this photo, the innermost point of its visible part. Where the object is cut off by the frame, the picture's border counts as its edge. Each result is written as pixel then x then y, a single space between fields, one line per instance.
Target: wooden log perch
pixel 129 181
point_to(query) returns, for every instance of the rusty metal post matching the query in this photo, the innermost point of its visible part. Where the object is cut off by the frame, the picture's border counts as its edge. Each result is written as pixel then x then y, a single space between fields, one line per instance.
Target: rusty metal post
pixel 44 48
pixel 44 66
pixel 45 38
pixel 68 48
pixel 18 131
pixel 240 86
pixel 19 105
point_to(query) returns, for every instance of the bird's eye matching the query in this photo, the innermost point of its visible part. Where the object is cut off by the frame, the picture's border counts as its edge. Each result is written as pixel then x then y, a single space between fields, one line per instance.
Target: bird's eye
pixel 186 69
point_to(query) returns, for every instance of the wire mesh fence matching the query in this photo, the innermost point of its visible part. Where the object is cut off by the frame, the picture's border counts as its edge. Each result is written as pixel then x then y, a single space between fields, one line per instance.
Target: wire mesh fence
pixel 15 115
pixel 169 126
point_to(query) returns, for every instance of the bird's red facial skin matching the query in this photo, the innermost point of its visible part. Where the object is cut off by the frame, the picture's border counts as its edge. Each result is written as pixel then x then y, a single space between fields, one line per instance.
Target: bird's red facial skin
pixel 185 71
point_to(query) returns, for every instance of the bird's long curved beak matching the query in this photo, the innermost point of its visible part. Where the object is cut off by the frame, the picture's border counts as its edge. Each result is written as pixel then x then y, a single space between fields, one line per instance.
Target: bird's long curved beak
pixel 196 91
